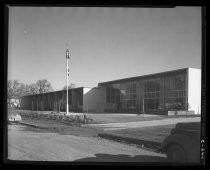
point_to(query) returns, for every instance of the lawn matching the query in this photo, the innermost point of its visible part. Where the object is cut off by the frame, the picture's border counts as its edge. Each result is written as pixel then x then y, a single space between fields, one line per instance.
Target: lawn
pixel 154 133
pixel 120 118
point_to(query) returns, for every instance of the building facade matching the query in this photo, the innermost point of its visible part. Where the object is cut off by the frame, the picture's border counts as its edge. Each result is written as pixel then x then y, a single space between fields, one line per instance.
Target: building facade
pixel 159 93
pixel 177 90
pixel 54 101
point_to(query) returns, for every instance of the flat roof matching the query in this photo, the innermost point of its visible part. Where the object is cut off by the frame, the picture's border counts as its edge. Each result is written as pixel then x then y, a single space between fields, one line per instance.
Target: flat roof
pixel 53 91
pixel 144 76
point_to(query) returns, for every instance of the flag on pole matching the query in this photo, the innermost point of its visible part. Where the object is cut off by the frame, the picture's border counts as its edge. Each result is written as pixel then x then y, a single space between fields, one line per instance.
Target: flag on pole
pixel 67 54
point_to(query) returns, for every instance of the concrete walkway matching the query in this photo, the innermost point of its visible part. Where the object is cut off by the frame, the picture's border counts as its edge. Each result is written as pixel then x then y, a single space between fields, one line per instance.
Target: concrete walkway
pixel 127 125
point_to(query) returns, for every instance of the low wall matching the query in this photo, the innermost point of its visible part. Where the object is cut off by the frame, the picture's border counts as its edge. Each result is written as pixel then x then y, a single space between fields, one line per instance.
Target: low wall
pixel 181 112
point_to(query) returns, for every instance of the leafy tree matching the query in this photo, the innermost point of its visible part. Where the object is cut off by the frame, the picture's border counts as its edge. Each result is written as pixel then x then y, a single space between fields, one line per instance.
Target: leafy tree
pixel 43 86
pixel 72 85
pixel 33 89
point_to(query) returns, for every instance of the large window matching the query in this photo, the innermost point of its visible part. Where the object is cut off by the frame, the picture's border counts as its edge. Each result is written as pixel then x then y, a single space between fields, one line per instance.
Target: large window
pixel 157 94
pixel 174 92
pixel 169 95
pixel 123 95
pixel 153 95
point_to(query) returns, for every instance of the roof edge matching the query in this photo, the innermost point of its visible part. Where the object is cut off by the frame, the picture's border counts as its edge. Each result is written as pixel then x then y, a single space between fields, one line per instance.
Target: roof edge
pixel 143 76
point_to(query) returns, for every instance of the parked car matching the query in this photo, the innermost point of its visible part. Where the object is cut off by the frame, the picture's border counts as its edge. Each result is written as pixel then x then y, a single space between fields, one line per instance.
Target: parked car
pixel 14 118
pixel 183 144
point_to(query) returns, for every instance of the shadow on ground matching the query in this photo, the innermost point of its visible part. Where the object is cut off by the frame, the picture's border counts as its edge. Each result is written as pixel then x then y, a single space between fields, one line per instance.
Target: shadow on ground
pixel 122 158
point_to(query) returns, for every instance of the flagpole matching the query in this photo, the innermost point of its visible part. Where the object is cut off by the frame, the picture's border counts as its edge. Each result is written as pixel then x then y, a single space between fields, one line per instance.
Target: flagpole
pixel 67 80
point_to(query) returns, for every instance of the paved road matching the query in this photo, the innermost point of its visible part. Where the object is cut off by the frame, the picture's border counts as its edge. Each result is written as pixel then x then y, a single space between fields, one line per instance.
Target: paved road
pixel 139 124
pixel 25 144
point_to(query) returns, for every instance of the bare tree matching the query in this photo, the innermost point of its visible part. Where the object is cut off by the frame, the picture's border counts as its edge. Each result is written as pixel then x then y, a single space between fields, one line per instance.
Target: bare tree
pixel 43 86
pixel 72 85
pixel 17 89
pixel 33 89
pixel 12 89
pixel 21 91
pixel 27 89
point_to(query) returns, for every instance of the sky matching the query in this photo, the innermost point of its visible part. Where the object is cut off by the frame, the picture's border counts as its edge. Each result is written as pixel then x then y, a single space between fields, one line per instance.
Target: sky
pixel 105 43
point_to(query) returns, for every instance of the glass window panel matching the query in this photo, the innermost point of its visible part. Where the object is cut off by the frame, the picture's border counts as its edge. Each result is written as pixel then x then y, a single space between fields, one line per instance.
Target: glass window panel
pixel 124 104
pixel 123 92
pixel 169 83
pixel 134 88
pixel 179 82
pixel 172 83
pixel 112 95
pixel 180 93
pixel 150 86
pixel 108 95
pixel 134 96
pixel 117 92
pixel 157 94
pixel 112 100
pixel 158 85
pixel 108 99
pixel 179 103
pixel 123 97
pixel 159 104
pixel 134 103
pixel 150 104
pixel 117 98
pixel 123 86
pixel 116 86
pixel 176 93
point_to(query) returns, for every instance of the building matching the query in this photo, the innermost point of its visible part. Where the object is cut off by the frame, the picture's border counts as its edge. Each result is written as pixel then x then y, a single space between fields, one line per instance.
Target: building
pixel 177 90
pixel 54 101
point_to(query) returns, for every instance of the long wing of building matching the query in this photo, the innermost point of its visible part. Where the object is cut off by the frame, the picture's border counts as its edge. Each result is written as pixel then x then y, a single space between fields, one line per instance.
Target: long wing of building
pixel 159 93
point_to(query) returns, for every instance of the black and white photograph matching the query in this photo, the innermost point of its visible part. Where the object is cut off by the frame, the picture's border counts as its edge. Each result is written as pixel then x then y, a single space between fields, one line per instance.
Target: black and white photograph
pixel 88 84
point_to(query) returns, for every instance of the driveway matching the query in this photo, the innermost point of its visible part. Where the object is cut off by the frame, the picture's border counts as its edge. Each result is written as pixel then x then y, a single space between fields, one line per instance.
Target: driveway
pixel 139 124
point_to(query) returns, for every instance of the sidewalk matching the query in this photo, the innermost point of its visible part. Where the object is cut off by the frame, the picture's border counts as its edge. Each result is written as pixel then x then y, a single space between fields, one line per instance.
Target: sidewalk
pixel 139 124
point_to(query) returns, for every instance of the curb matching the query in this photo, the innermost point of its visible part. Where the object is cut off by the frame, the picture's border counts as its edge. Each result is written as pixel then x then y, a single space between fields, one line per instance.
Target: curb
pixel 156 146
pixel 34 126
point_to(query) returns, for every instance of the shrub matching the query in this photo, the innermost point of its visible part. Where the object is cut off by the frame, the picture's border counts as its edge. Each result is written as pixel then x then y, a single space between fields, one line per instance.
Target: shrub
pixel 78 119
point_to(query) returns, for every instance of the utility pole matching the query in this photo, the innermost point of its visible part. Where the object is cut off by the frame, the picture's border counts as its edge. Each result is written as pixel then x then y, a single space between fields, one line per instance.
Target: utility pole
pixel 67 76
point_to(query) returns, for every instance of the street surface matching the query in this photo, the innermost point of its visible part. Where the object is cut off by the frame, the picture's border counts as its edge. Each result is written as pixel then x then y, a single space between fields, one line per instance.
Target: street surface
pixel 140 124
pixel 26 143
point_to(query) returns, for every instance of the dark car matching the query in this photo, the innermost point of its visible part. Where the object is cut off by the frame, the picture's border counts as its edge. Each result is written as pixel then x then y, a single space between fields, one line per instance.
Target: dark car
pixel 183 144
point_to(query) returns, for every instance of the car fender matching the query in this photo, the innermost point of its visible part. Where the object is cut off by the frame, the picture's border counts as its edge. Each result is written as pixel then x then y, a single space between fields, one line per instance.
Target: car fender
pixel 190 146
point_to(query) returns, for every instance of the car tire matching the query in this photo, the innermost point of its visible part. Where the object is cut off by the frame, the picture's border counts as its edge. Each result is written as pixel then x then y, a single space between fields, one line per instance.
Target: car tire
pixel 176 154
